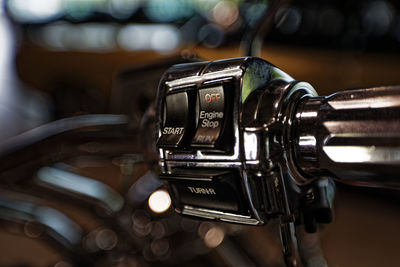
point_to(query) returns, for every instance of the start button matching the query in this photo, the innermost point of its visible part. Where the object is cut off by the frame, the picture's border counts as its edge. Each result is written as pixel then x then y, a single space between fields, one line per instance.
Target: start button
pixel 210 116
pixel 175 121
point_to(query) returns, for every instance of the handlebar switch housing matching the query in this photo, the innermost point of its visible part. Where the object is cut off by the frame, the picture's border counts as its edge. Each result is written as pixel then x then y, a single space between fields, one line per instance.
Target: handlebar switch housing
pixel 223 138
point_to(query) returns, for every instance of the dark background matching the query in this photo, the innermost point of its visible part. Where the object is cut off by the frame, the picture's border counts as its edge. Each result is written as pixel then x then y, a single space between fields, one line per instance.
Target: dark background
pixel 80 61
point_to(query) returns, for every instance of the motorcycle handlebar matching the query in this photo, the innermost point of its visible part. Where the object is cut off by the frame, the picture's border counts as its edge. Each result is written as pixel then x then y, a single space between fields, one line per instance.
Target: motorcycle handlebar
pixel 353 136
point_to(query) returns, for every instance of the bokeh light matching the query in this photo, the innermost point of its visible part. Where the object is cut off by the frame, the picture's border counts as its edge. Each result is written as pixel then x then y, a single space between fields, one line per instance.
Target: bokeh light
pixel 214 237
pixel 159 201
pixel 106 239
pixel 162 38
pixel 288 20
pixel 35 10
pixel 212 234
pixel 123 9
pixel 377 17
pixel 167 10
pixel 225 13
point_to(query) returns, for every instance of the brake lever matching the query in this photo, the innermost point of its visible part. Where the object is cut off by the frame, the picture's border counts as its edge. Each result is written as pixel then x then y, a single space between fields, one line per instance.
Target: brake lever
pixel 241 141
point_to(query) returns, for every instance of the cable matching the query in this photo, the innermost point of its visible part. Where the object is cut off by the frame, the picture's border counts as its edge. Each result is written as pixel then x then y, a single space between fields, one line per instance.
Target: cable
pixel 252 42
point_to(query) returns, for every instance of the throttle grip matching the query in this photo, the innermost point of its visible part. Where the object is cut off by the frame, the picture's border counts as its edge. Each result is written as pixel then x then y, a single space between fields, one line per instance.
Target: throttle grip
pixel 353 136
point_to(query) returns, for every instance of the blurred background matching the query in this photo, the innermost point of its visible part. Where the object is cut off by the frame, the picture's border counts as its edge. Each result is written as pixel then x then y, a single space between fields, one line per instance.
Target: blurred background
pixel 79 193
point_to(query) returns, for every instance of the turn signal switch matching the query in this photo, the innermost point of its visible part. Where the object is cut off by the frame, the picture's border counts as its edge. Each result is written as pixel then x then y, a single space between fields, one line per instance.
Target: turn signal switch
pixel 241 141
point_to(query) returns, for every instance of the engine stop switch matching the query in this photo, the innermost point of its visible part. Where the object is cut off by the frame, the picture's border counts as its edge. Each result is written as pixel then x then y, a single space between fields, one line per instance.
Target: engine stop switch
pixel 210 115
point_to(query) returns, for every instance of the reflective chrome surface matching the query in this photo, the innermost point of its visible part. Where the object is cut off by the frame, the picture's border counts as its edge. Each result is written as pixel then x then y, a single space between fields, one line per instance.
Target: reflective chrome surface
pixel 352 136
pixel 264 101
pixel 249 76
pixel 289 143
